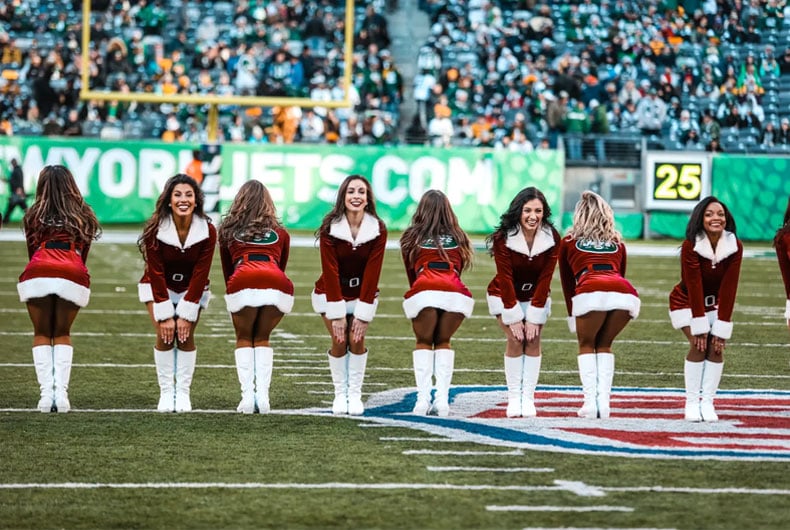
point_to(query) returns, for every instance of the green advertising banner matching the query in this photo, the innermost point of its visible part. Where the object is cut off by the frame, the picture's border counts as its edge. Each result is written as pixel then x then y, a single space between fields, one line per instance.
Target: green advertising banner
pixel 121 180
pixel 755 190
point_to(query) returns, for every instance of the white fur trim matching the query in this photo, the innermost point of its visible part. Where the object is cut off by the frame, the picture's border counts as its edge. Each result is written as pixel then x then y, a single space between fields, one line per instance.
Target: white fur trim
pixel 787 310
pixel 513 315
pixel 699 325
pixel 721 329
pixel 145 294
pixel 572 324
pixel 539 315
pixel 445 300
pixel 164 310
pixel 198 231
pixel 543 241
pixel 368 230
pixel 727 246
pixel 188 310
pixel 258 298
pixel 335 310
pixel 364 311
pixel 66 289
pixel 680 318
pixel 495 305
pixel 605 301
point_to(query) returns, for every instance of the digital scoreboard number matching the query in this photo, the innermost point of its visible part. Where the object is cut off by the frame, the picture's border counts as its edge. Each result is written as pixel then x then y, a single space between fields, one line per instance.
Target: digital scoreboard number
pixel 676 181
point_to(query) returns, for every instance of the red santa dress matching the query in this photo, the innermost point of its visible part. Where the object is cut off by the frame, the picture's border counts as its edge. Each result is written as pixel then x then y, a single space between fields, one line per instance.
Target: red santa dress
pixel 520 290
pixel 783 255
pixel 435 281
pixel 593 278
pixel 56 266
pixel 255 272
pixel 350 269
pixel 176 275
pixel 705 297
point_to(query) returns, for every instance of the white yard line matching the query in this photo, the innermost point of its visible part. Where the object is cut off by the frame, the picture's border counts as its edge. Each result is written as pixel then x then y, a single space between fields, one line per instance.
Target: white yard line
pixel 522 508
pixel 516 452
pixel 491 469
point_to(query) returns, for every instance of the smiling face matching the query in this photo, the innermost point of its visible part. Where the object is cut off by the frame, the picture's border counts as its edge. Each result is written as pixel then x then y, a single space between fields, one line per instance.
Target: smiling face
pixel 356 196
pixel 531 215
pixel 182 200
pixel 714 219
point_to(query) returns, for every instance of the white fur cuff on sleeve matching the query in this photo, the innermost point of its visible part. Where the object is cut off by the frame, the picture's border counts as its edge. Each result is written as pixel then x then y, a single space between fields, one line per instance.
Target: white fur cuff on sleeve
pixel 335 310
pixel 699 325
pixel 722 329
pixel 537 315
pixel 188 310
pixel 787 310
pixel 163 310
pixel 572 324
pixel 513 315
pixel 364 311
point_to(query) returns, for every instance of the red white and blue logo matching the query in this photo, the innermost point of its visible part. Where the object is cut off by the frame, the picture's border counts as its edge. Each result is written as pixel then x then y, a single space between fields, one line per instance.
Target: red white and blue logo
pixel 645 422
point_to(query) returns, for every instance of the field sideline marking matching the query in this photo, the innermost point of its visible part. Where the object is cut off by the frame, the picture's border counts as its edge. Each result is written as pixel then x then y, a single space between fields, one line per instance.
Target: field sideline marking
pixel 492 469
pixel 521 508
pixel 559 485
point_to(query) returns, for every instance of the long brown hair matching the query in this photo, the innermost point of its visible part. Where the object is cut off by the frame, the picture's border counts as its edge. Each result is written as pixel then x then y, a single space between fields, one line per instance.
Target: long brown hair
pixel 593 220
pixel 339 209
pixel 59 205
pixel 162 209
pixel 433 219
pixel 251 215
pixel 510 221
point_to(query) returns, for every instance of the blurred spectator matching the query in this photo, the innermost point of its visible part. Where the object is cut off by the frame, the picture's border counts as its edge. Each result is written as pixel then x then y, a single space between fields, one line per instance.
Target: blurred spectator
pixel 783 135
pixel 768 135
pixel 311 126
pixel 681 129
pixel 710 129
pixel 651 113
pixel 714 146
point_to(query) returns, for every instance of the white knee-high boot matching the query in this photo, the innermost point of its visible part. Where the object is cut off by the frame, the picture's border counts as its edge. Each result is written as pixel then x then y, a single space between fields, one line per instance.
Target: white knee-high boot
pixel 264 365
pixel 692 376
pixel 711 376
pixel 514 370
pixel 356 375
pixel 423 372
pixel 165 374
pixel 45 374
pixel 338 366
pixel 62 355
pixel 588 373
pixel 528 383
pixel 605 362
pixel 444 363
pixel 185 369
pixel 245 369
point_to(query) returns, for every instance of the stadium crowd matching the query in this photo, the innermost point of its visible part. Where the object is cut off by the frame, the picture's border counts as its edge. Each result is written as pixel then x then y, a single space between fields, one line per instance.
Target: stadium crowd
pixel 695 74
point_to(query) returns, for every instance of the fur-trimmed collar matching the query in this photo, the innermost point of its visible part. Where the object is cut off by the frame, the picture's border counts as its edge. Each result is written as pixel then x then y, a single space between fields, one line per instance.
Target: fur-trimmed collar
pixel 727 246
pixel 368 230
pixel 544 240
pixel 198 231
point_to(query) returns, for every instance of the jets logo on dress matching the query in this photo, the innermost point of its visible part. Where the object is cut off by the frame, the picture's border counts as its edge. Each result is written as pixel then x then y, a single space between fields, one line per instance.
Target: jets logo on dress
pixel 267 238
pixel 447 242
pixel 595 246
pixel 645 422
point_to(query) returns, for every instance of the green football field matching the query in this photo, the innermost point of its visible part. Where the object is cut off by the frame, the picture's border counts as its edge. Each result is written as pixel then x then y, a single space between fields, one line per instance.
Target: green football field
pixel 113 462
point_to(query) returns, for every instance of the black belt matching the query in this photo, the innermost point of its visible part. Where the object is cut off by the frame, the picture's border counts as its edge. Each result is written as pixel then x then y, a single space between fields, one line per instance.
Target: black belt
pixel 594 267
pixel 59 245
pixel 438 265
pixel 252 257
pixel 350 282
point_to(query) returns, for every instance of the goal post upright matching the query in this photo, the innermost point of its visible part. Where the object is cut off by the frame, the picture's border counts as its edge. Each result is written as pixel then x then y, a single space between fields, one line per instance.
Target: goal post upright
pixel 214 100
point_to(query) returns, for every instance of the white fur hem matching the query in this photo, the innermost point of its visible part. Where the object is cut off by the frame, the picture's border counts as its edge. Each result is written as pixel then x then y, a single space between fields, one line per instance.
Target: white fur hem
pixel 699 325
pixel 722 329
pixel 445 300
pixel 513 315
pixel 332 310
pixel 605 301
pixel 164 310
pixel 258 298
pixel 539 315
pixel 495 305
pixel 188 310
pixel 681 318
pixel 145 295
pixel 364 311
pixel 66 289
pixel 572 324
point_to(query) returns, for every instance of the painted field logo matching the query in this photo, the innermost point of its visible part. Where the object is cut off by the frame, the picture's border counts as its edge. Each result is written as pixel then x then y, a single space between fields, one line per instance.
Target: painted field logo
pixel 645 422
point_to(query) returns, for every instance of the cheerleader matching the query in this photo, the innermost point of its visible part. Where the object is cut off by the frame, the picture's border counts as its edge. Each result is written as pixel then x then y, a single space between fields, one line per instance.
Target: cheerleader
pixel 435 251
pixel 701 304
pixel 177 244
pixel 253 248
pixel 782 245
pixel 59 228
pixel 352 240
pixel 599 300
pixel 524 247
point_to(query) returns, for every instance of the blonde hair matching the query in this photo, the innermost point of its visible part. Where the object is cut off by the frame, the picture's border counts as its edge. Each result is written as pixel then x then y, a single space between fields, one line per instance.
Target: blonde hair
pixel 593 220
